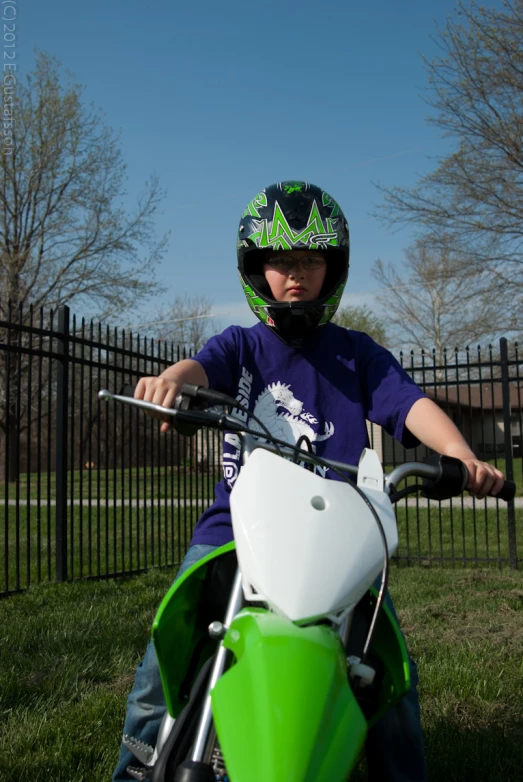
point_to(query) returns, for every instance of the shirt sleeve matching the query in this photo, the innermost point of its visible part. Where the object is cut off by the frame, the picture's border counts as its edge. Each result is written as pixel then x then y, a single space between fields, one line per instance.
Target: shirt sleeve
pixel 389 391
pixel 219 358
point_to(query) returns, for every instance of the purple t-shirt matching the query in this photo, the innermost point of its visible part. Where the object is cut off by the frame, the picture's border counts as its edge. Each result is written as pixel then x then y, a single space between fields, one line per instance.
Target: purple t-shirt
pixel 325 390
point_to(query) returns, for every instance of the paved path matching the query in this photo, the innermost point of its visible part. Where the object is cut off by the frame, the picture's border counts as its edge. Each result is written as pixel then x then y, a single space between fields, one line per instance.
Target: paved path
pixel 118 503
pixel 468 502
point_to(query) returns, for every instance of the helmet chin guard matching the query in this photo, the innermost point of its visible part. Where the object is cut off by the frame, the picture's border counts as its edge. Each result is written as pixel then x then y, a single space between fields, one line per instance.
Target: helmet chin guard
pixel 293 216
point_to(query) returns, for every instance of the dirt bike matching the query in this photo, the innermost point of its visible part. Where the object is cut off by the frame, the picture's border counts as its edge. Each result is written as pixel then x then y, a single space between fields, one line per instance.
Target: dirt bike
pixel 277 652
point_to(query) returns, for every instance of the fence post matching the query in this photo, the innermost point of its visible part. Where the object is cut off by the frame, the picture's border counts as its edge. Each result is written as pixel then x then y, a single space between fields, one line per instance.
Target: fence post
pixel 509 465
pixel 62 385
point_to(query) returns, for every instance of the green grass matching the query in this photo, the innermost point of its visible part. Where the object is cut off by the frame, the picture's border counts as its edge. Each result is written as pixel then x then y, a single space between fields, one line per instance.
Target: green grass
pixel 146 482
pixel 101 541
pixel 68 654
pixel 465 629
pixel 67 664
pixel 131 483
pixel 109 539
pixel 432 535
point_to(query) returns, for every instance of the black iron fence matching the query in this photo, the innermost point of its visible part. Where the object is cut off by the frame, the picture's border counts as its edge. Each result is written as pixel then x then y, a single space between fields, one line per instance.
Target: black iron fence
pixel 89 489
pixel 94 490
pixel 481 390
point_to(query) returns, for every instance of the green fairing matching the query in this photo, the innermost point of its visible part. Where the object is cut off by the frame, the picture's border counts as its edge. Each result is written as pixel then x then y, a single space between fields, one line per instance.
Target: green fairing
pixel 178 631
pixel 285 706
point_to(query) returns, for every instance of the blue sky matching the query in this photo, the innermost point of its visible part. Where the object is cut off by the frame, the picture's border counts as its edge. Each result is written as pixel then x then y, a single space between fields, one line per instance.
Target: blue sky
pixel 222 99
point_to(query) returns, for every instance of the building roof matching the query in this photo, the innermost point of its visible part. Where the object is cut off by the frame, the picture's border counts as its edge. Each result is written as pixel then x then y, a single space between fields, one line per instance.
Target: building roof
pixel 487 395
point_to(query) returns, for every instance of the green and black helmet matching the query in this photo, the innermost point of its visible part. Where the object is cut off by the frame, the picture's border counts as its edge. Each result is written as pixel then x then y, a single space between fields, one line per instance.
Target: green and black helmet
pixel 293 216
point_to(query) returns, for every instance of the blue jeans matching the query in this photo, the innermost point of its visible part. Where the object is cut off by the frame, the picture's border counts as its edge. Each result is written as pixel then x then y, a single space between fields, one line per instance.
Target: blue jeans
pixel 394 747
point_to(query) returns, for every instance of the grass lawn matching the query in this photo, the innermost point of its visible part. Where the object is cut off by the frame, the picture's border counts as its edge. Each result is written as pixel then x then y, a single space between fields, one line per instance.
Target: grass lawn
pixel 102 540
pixel 131 483
pixel 106 538
pixel 465 630
pixel 146 482
pixel 68 654
pixel 456 535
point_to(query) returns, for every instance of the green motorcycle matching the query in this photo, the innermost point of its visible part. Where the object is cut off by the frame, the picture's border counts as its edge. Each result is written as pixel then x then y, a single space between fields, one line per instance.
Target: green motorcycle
pixel 277 652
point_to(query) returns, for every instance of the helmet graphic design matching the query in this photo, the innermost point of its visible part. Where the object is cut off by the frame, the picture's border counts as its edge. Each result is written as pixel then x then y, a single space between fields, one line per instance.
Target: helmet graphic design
pixel 293 216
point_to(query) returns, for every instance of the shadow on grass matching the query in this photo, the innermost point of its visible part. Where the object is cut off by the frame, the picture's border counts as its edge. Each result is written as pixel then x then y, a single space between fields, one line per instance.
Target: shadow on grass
pixel 456 752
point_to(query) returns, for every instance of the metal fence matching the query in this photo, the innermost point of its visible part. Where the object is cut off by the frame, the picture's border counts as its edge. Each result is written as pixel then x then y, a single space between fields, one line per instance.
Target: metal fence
pixel 481 390
pixel 90 490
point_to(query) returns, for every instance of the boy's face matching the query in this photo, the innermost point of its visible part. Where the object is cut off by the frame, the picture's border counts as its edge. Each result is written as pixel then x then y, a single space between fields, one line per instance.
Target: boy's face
pixel 295 275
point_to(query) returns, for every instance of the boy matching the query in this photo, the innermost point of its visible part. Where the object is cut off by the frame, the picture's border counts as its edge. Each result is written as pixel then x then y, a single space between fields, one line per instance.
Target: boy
pixel 302 375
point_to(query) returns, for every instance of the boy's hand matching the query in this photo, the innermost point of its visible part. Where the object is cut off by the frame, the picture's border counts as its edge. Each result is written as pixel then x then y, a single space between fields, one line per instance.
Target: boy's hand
pixel 164 389
pixel 160 391
pixel 483 479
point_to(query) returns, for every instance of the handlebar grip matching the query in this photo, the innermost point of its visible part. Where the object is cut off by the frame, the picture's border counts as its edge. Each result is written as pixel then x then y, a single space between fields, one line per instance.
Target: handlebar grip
pixel 508 492
pixel 451 481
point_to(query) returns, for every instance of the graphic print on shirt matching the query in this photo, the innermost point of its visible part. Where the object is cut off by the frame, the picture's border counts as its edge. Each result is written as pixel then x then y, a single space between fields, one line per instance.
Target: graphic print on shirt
pixel 283 415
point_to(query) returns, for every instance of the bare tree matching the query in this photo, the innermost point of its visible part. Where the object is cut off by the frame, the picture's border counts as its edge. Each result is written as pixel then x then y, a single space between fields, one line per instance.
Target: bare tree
pixel 432 304
pixel 362 319
pixel 475 195
pixel 188 322
pixel 64 234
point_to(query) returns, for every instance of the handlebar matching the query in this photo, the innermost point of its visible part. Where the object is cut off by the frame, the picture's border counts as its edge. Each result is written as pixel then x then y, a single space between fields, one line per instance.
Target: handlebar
pixel 444 476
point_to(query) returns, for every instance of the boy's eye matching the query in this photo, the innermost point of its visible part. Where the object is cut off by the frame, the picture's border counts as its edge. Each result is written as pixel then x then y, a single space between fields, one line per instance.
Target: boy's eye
pixel 286 264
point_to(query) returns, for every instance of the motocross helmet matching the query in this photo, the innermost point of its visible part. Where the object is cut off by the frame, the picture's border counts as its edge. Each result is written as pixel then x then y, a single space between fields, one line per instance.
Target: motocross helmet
pixel 293 216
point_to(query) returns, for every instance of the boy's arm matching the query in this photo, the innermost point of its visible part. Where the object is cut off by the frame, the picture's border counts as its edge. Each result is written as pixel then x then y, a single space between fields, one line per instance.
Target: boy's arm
pixel 162 390
pixel 434 429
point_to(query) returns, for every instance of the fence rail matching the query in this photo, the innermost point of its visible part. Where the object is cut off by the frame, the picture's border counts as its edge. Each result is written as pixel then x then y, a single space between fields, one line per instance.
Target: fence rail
pixel 91 490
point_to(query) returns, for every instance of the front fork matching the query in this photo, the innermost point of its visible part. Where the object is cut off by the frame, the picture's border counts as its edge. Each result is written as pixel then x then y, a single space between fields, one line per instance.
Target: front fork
pixel 206 734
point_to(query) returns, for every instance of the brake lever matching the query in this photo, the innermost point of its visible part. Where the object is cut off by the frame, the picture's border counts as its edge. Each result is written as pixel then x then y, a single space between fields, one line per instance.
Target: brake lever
pixel 200 418
pixel 186 404
pixel 183 402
